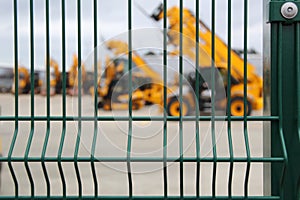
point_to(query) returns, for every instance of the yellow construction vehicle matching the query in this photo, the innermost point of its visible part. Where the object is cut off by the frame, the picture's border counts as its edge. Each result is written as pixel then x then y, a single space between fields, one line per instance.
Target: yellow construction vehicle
pixel 113 89
pixel 24 81
pixel 55 79
pixel 147 86
pixel 72 79
pixel 254 82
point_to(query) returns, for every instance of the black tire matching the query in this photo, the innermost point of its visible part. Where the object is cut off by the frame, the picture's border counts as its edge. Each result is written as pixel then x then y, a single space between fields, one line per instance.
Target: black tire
pixel 26 89
pixel 237 106
pixel 174 106
pixel 58 87
pixel 100 105
pixel 148 103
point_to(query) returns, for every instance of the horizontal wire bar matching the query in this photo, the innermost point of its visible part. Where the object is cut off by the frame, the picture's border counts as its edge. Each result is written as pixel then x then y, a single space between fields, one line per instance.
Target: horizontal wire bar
pixel 145 197
pixel 142 159
pixel 139 118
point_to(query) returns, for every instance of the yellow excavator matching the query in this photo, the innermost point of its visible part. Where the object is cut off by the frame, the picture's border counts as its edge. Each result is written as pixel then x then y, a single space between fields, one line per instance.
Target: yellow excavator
pixel 254 82
pixel 55 80
pixel 147 86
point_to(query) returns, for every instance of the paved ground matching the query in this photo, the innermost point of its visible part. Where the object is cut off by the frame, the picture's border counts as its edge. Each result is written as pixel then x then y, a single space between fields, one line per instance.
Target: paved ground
pixel 112 141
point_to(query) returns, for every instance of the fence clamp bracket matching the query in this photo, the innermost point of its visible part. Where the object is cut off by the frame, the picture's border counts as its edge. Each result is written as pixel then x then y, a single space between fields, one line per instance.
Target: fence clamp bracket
pixel 286 11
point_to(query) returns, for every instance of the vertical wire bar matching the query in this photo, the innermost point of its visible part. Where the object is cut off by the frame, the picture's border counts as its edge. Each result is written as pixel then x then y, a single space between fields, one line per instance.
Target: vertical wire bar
pixel 297 43
pixel 197 71
pixel 280 112
pixel 48 99
pixel 95 102
pixel 180 97
pixel 29 142
pixel 213 100
pixel 64 85
pixel 16 57
pixel 165 137
pixel 79 99
pixel 229 103
pixel 246 139
pixel 130 98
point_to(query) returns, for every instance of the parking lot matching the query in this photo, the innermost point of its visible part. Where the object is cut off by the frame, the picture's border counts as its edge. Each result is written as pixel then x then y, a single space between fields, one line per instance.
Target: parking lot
pixel 147 141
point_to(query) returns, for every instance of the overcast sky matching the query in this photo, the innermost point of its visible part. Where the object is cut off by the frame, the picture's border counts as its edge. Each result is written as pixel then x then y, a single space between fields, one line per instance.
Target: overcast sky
pixel 112 21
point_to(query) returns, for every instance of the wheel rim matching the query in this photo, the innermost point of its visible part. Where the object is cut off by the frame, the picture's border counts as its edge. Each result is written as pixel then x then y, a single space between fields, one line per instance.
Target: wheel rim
pixel 174 109
pixel 237 108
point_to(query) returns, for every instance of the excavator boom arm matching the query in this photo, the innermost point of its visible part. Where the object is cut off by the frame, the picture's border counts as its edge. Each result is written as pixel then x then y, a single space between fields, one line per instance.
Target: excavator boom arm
pixel 120 48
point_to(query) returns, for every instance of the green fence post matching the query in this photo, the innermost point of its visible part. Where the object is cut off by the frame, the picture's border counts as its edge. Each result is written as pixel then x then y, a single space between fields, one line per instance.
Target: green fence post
pixel 285 97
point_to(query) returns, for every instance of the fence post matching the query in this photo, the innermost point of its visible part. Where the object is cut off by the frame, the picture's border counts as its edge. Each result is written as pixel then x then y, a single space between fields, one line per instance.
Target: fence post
pixel 285 97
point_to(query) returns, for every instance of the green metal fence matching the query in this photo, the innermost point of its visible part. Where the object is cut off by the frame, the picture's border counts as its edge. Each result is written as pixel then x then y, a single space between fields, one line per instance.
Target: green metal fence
pixel 284 119
pixel 284 39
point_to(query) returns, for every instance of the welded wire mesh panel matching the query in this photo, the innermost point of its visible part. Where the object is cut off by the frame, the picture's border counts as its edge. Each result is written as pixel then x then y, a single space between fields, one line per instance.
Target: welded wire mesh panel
pixel 166 110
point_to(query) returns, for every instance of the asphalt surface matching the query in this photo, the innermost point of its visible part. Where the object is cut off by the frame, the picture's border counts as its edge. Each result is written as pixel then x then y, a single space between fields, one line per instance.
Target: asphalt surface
pixel 147 141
